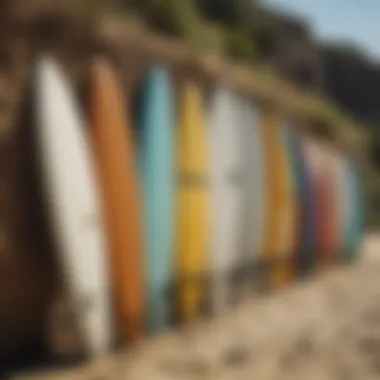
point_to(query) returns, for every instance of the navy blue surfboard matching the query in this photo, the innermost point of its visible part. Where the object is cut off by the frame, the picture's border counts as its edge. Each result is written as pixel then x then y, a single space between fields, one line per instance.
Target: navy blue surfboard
pixel 305 257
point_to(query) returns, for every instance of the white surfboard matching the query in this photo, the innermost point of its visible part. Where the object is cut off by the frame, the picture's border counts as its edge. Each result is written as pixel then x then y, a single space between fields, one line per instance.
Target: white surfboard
pixel 314 155
pixel 74 206
pixel 226 190
pixel 254 200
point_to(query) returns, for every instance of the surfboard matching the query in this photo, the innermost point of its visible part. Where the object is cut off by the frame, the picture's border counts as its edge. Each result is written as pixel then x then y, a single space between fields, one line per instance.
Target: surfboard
pixel 330 192
pixel 71 190
pixel 279 227
pixel 305 235
pixel 227 192
pixel 117 169
pixel 356 225
pixel 288 227
pixel 315 160
pixel 294 187
pixel 344 206
pixel 253 202
pixel 359 192
pixel 156 139
pixel 193 208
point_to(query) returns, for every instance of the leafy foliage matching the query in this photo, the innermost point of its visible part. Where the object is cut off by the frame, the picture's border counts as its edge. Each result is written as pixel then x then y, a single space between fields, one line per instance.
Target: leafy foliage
pixel 239 44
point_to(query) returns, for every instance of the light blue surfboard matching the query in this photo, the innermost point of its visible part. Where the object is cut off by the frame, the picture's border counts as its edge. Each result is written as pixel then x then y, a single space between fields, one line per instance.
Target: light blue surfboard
pixel 156 140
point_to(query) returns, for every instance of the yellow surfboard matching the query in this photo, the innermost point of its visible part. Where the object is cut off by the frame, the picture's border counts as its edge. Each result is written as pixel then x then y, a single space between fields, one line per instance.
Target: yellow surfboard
pixel 193 202
pixel 279 232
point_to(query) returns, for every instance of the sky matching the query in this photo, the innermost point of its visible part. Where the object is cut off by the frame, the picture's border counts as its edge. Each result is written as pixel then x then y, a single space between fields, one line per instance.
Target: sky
pixel 356 21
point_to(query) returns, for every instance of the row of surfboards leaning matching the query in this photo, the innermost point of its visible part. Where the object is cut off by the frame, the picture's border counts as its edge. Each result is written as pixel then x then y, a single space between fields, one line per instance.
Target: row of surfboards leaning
pixel 171 206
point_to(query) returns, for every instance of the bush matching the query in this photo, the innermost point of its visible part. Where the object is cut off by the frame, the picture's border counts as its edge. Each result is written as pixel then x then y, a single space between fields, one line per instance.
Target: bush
pixel 165 16
pixel 239 44
pixel 162 15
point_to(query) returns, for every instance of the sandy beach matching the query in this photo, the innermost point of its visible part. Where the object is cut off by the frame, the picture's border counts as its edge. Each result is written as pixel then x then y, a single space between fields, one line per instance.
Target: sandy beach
pixel 324 328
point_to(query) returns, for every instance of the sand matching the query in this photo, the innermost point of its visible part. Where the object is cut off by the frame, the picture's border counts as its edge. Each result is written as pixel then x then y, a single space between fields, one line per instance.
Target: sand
pixel 325 328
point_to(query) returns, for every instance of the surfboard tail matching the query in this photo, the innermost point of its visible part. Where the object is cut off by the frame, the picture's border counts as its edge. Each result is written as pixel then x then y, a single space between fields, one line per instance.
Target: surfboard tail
pixel 130 327
pixel 191 288
pixel 158 316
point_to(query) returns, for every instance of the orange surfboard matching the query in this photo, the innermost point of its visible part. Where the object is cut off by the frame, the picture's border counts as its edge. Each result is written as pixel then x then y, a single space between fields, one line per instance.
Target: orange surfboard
pixel 114 152
pixel 279 221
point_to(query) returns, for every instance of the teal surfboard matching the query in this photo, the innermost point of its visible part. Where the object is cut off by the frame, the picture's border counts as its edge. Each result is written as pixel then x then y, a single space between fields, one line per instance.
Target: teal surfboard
pixel 156 142
pixel 346 210
pixel 288 139
pixel 356 225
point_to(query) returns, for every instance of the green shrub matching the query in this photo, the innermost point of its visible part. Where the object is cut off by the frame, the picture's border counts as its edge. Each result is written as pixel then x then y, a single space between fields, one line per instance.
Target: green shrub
pixel 239 44
pixel 161 14
pixel 165 16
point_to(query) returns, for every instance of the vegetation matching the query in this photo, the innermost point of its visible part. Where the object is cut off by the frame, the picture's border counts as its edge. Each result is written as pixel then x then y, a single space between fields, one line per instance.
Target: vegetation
pixel 278 54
